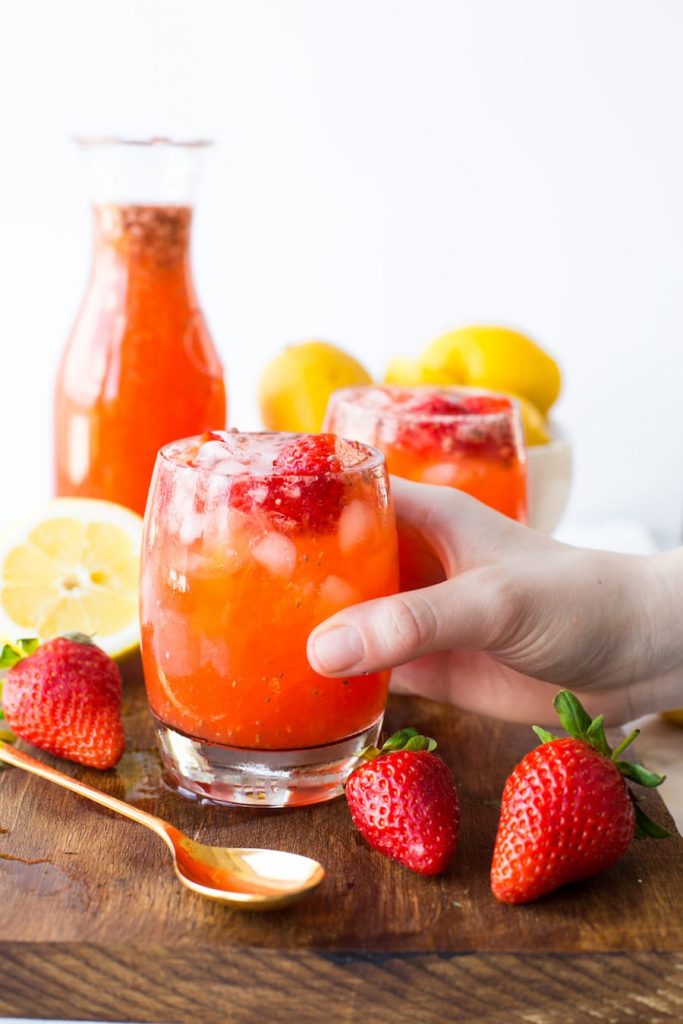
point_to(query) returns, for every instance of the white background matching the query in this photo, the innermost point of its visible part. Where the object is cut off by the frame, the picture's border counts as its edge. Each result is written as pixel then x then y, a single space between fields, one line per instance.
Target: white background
pixel 384 170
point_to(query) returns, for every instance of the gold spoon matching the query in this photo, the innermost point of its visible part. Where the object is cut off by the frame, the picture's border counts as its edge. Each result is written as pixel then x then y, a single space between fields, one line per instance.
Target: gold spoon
pixel 249 879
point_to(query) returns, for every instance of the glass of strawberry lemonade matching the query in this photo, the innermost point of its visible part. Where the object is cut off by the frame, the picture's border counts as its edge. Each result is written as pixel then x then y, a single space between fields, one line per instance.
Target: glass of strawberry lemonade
pixel 250 541
pixel 456 437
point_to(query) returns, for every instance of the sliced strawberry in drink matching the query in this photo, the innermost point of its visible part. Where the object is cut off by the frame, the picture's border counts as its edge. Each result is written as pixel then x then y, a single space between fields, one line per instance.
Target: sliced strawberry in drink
pixel 485 404
pixel 436 405
pixel 319 454
pixel 445 425
pixel 305 492
pixel 462 405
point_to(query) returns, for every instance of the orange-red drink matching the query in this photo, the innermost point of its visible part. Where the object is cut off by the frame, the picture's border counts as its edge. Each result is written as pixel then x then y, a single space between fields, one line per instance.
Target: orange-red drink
pixel 140 367
pixel 251 540
pixel 455 437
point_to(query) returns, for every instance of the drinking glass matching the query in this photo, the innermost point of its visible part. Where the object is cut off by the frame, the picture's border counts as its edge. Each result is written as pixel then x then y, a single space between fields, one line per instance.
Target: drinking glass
pixel 244 553
pixel 456 437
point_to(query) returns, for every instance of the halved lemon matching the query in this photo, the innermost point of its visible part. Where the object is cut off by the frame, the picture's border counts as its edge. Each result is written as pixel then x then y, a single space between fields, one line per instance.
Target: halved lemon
pixel 71 566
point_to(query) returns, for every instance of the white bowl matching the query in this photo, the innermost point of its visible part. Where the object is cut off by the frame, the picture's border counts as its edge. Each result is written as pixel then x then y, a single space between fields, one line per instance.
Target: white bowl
pixel 550 478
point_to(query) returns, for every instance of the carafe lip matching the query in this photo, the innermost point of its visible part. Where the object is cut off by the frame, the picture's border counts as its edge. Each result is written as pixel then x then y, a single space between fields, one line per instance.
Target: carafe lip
pixel 87 141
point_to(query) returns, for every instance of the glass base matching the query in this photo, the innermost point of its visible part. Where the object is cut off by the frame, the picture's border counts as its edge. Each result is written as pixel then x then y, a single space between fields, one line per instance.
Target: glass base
pixel 262 778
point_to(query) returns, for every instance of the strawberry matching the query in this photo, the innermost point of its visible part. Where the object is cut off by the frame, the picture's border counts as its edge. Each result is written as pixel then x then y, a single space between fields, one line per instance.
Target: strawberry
pixel 305 491
pixel 64 696
pixel 460 404
pixel 404 803
pixel 485 405
pixel 567 812
pixel 318 454
pixel 436 405
pixel 439 424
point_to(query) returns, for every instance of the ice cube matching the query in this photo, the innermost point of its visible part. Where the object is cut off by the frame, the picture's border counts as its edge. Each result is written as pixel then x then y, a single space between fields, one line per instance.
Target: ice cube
pixel 275 553
pixel 355 524
pixel 210 453
pixel 216 561
pixel 230 467
pixel 191 527
pixel 337 593
pixel 181 518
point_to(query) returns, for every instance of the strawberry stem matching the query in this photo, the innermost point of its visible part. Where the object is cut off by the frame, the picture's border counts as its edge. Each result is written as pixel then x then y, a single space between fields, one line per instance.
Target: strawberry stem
pixel 420 743
pixel 595 734
pixel 14 650
pixel 79 638
pixel 408 739
pixel 397 741
pixel 543 734
pixel 572 714
pixel 13 646
pixel 636 773
pixel 368 753
pixel 405 739
pixel 626 742
pixel 645 826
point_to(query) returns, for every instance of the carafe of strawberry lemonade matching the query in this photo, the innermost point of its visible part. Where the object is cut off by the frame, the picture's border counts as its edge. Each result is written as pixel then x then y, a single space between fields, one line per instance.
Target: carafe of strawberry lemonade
pixel 140 368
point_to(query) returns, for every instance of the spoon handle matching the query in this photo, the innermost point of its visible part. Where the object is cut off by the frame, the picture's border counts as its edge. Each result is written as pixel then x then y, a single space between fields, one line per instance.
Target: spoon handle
pixel 17 758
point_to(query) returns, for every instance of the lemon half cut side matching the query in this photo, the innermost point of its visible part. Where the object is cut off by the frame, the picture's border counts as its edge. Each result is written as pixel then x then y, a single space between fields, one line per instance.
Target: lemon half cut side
pixel 71 566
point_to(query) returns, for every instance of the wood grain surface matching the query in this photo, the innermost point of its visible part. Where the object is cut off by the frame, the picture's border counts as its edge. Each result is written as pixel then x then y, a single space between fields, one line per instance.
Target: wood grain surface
pixel 95 926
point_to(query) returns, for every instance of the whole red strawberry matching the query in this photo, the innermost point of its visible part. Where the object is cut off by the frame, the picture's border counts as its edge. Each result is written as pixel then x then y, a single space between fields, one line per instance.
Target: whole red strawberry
pixel 404 803
pixel 567 813
pixel 65 697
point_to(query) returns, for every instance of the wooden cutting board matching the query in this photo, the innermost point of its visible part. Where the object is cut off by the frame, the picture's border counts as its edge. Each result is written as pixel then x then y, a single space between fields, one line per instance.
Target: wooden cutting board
pixel 95 926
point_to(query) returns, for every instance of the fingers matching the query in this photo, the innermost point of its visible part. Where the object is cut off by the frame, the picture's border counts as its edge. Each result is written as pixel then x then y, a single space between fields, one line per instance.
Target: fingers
pixel 476 682
pixel 472 610
pixel 394 630
pixel 433 510
pixel 461 530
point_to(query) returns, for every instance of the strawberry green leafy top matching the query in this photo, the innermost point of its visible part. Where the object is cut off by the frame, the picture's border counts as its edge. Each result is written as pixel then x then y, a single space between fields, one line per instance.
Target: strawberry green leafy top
pixel 578 723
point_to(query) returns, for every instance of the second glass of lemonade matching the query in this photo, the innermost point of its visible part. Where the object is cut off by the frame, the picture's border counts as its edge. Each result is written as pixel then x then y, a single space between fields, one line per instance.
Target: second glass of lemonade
pixel 251 540
pixel 455 437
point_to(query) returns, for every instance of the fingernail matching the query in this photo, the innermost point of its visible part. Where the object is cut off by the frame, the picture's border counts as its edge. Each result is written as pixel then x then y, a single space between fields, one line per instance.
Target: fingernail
pixel 338 648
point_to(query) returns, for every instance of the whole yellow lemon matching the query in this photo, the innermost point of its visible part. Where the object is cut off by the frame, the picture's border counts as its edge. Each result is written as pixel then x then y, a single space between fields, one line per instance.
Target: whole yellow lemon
pixel 496 358
pixel 408 372
pixel 296 385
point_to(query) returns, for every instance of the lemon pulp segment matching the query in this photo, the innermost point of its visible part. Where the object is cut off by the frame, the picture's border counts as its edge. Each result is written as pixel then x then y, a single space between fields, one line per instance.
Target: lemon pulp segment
pixel 72 566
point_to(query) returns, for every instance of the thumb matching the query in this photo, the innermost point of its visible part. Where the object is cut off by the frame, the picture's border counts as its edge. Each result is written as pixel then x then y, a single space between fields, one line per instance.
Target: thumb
pixel 394 630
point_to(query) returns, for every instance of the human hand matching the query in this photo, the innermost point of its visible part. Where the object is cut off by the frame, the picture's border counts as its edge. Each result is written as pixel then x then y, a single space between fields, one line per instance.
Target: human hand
pixel 518 617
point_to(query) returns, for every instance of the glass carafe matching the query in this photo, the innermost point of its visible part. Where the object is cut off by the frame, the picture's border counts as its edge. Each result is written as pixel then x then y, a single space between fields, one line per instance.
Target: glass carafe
pixel 140 368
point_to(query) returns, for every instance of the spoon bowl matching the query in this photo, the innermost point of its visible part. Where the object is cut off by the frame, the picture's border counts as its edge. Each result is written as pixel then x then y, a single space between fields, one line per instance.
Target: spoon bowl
pixel 244 878
pixel 257 879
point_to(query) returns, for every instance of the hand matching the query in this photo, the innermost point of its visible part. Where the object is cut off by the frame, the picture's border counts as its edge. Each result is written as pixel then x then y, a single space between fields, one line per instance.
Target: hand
pixel 517 617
